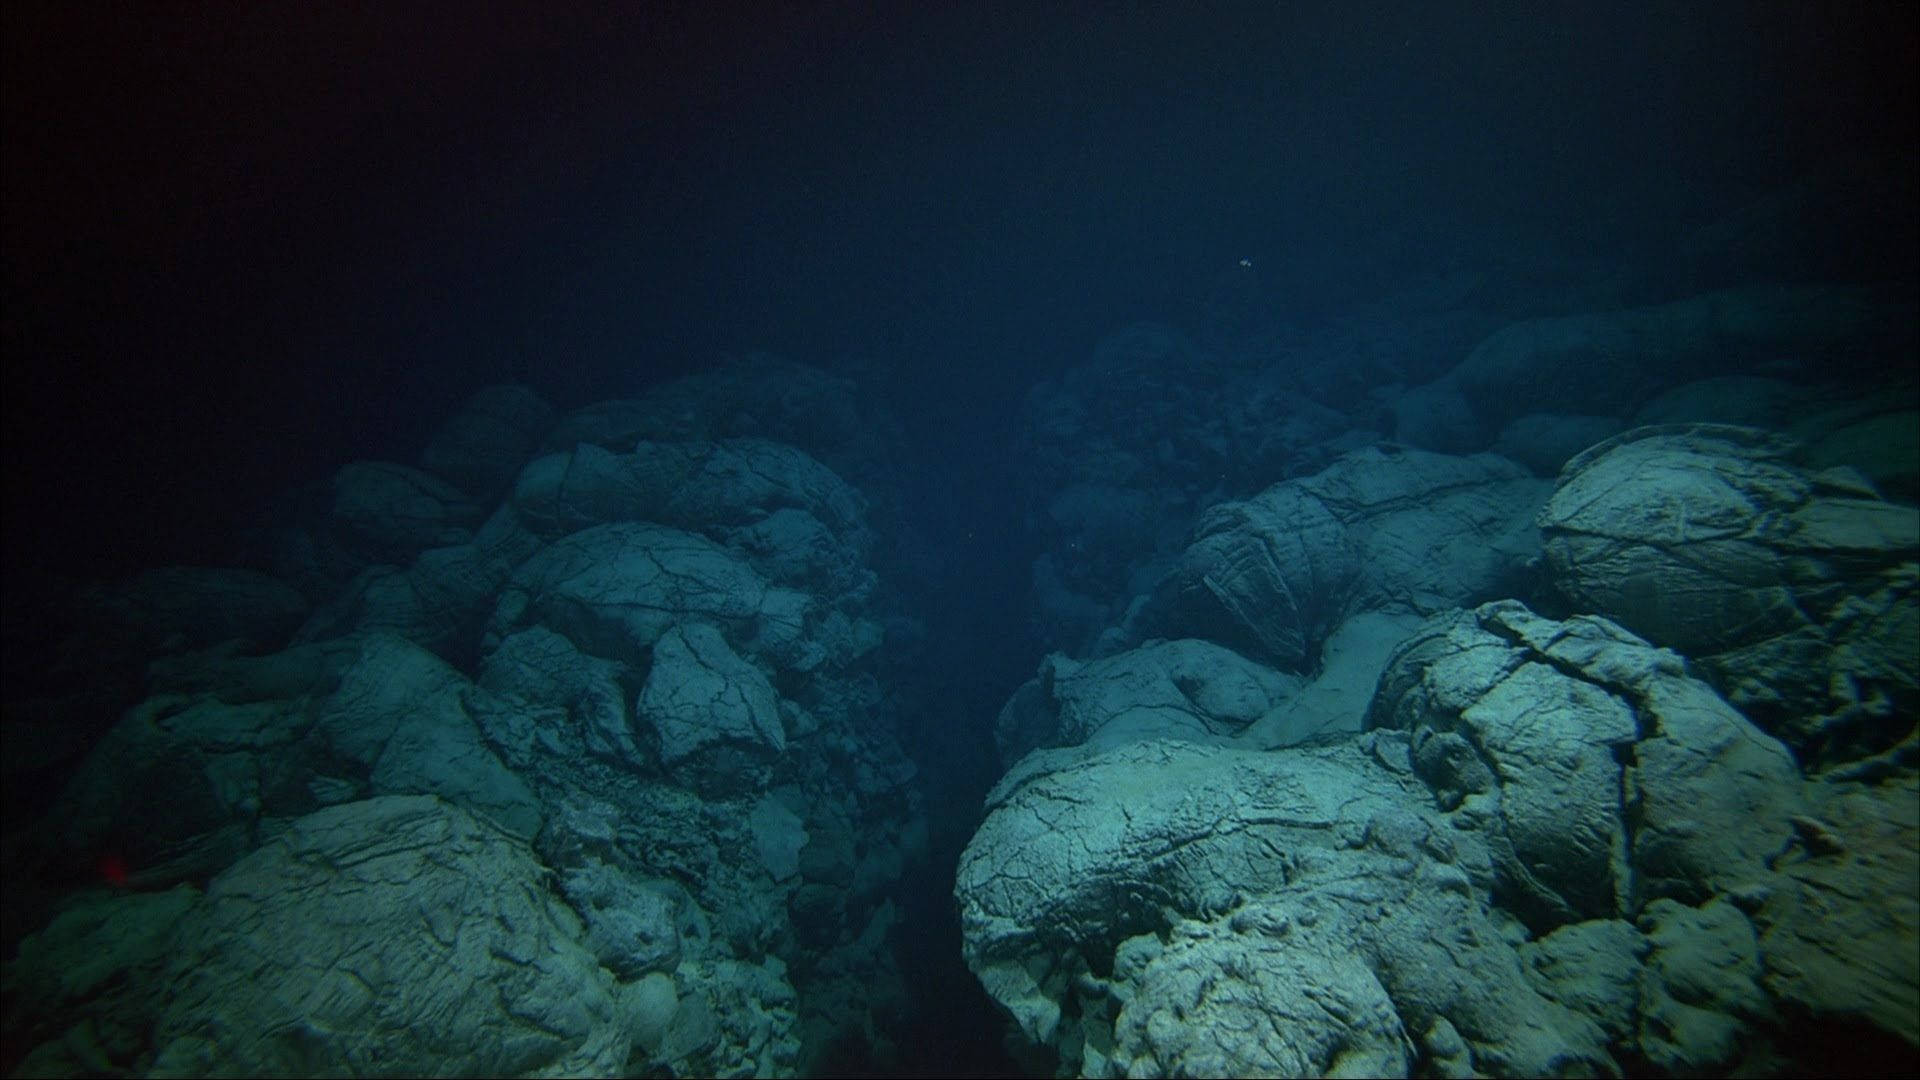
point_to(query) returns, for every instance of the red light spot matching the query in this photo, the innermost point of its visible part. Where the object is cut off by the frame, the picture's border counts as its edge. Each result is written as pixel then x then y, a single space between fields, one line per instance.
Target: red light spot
pixel 113 870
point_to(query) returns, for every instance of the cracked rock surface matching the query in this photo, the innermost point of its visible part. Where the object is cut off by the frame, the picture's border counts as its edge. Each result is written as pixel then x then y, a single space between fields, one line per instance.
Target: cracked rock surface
pixel 578 766
pixel 1519 869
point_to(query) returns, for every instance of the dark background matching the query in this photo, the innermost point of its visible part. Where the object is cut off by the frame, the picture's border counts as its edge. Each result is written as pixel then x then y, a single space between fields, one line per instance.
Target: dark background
pixel 246 243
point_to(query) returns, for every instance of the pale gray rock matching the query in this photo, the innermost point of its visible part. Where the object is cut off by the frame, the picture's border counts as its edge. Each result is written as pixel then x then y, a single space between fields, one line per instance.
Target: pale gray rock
pixel 441 752
pixel 542 670
pixel 1594 968
pixel 634 927
pixel 733 1018
pixel 779 835
pixel 395 935
pixel 1839 927
pixel 716 718
pixel 1430 531
pixel 614 590
pixel 564 492
pixel 1261 868
pixel 794 548
pixel 1556 852
pixel 1701 997
pixel 1874 429
pixel 180 786
pixel 639 650
pixel 1601 774
pixel 629 619
pixel 1798 592
pixel 652 1002
pixel 1277 998
pixel 402 714
pixel 736 481
pixel 1379 530
pixel 712 487
pixel 1183 689
pixel 1270 577
pixel 1336 699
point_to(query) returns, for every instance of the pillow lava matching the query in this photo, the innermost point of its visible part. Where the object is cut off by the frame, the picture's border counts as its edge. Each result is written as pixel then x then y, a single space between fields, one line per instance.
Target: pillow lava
pixel 1382 528
pixel 1192 690
pixel 1798 592
pixel 1590 761
pixel 393 936
pixel 186 780
pixel 396 935
pixel 1555 852
pixel 795 519
pixel 1165 908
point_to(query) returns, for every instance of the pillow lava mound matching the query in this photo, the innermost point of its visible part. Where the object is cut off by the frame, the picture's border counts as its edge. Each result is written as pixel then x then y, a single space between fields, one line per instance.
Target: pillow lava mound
pixel 1796 590
pixel 578 766
pixel 391 930
pixel 1556 848
pixel 1382 528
